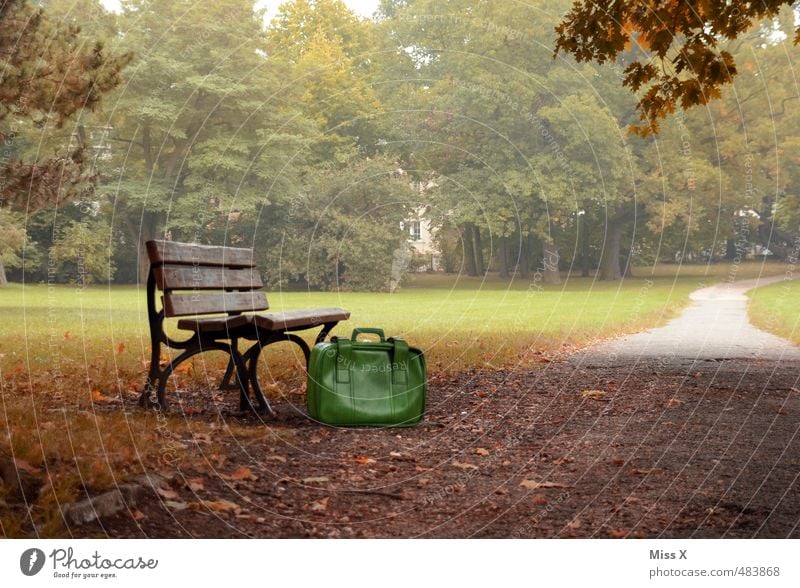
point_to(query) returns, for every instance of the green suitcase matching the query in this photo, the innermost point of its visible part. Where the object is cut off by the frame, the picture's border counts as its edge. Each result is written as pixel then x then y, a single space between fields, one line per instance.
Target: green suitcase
pixel 355 383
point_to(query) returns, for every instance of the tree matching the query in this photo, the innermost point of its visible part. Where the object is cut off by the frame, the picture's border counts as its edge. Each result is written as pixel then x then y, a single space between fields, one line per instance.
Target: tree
pixel 48 76
pixel 206 129
pixel 684 37
pixel 12 239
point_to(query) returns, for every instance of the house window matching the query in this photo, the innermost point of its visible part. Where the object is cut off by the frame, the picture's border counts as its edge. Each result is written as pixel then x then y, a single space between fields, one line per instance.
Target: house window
pixel 415 230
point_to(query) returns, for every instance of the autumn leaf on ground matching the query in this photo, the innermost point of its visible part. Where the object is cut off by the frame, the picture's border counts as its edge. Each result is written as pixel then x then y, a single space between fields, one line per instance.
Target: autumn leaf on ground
pixel 120 348
pixel 184 368
pixel 574 524
pixel 220 505
pixel 278 458
pixel 195 484
pixel 481 451
pixel 594 394
pixel 167 494
pixel 364 460
pixel 464 466
pixel 100 398
pixel 539 499
pixel 533 484
pixel 241 473
pixel 68 337
pixel 641 472
pixel 674 402
pixel 618 533
pixel 25 466
pixel 562 460
pixel 320 505
pixel 315 480
pixel 175 505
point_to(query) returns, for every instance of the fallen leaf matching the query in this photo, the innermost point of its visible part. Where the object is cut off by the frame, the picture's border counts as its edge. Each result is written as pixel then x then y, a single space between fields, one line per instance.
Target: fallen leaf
pixel 67 336
pixel 120 348
pixel 315 480
pixel 25 466
pixel 167 493
pixel 618 462
pixel 563 460
pixel 395 454
pixel 501 491
pixel 204 438
pixel 195 484
pixel 243 473
pixel 279 458
pixel 100 398
pixel 533 484
pixel 221 505
pixel 618 533
pixel 364 460
pixel 540 499
pixel 674 402
pixel 176 505
pixel 574 524
pixel 482 451
pixel 640 472
pixel 138 515
pixel 320 505
pixel 464 466
pixel 594 394
pixel 185 368
pixel 422 482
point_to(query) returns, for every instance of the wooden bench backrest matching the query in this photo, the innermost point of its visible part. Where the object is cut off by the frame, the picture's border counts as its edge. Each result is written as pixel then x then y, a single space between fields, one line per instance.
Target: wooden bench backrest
pixel 188 274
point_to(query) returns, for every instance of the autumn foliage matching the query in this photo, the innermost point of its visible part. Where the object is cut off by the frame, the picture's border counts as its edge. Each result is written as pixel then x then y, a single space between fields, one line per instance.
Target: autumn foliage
pixel 670 49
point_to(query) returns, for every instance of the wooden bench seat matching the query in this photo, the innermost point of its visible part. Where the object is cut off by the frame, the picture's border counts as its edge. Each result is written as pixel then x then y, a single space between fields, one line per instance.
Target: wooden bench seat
pixel 200 280
pixel 283 321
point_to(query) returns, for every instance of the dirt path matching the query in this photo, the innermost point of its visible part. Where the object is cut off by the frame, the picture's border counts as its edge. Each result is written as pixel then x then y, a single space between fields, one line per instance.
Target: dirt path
pixel 714 327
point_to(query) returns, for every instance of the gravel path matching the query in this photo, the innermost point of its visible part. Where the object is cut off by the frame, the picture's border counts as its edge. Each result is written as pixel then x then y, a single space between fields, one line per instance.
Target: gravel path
pixel 714 327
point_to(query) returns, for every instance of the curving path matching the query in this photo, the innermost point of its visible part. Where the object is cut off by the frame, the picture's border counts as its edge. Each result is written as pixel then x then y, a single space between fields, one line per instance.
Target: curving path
pixel 714 327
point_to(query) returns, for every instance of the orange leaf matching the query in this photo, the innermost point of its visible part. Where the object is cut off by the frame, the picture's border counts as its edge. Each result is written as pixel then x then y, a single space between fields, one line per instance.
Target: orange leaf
pixel 25 466
pixel 120 348
pixel 241 473
pixel 100 398
pixel 364 460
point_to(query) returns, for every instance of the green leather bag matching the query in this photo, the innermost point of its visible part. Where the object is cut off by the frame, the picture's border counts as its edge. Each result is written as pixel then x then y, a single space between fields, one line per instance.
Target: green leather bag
pixel 366 383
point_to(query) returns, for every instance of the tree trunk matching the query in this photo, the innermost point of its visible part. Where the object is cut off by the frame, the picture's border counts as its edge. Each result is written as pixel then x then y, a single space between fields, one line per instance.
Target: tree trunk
pixel 584 227
pixel 730 249
pixel 627 265
pixel 550 274
pixel 609 261
pixel 521 258
pixel 469 256
pixel 477 251
pixel 502 256
pixel 3 279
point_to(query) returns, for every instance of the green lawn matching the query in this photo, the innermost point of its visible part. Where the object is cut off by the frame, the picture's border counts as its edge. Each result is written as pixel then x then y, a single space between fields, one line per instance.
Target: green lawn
pixel 774 308
pixel 458 321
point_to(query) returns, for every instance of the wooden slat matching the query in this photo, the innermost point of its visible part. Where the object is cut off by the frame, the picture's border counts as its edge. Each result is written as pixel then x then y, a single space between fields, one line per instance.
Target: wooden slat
pixel 184 277
pixel 194 254
pixel 203 303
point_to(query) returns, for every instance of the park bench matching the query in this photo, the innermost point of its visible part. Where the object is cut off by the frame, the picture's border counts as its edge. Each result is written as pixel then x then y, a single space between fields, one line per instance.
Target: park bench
pixel 216 293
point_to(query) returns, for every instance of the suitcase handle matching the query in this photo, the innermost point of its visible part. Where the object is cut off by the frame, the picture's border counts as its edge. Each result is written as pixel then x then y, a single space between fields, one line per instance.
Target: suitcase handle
pixel 359 330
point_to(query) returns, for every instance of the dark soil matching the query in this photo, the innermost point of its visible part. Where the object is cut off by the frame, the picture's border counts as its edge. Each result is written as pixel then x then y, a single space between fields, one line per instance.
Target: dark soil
pixel 707 449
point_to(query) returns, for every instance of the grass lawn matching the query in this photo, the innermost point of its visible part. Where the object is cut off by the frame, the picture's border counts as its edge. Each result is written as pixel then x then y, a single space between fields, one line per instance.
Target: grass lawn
pixel 774 309
pixel 72 362
pixel 458 321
